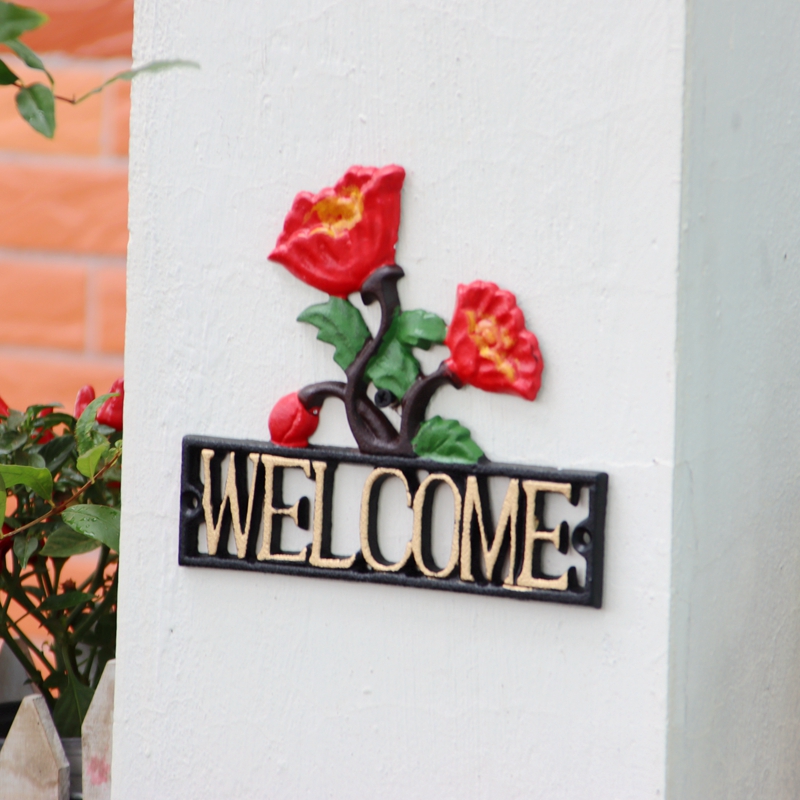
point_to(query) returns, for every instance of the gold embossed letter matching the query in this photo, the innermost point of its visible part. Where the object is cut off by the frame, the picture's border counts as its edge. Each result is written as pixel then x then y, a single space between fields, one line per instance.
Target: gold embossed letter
pixel 270 512
pixel 369 520
pixel 533 535
pixel 422 524
pixel 508 519
pixel 317 559
pixel 231 495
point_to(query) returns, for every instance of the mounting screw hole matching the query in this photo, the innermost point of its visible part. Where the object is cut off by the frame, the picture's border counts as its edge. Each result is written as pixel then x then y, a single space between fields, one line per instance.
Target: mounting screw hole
pixel 190 502
pixel 586 537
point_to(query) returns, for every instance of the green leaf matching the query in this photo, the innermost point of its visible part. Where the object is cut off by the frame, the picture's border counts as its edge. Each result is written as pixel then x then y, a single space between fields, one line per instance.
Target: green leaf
pixel 393 367
pixel 7 77
pixel 35 410
pixel 99 522
pixel 446 440
pixel 71 707
pixel 58 602
pixel 24 549
pixel 85 431
pixel 87 463
pixel 28 56
pixel 340 323
pixel 420 328
pixel 11 441
pixel 15 20
pixel 35 478
pixel 29 458
pixel 130 74
pixel 37 107
pixel 64 542
pixel 57 451
pixel 15 419
pixel 3 499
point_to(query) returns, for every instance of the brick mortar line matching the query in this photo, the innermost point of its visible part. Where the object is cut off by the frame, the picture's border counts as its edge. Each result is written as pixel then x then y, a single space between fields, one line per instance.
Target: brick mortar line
pixel 88 163
pixel 56 60
pixel 63 258
pixel 73 357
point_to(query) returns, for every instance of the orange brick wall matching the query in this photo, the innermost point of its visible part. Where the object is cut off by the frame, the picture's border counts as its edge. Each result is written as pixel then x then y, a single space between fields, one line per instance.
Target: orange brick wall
pixel 63 212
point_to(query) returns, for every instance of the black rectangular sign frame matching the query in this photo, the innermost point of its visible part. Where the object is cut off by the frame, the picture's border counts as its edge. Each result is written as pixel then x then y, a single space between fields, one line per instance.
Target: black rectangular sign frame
pixel 587 537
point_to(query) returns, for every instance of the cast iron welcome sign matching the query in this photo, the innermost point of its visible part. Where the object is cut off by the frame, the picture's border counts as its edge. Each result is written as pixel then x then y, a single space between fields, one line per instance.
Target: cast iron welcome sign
pixel 341 241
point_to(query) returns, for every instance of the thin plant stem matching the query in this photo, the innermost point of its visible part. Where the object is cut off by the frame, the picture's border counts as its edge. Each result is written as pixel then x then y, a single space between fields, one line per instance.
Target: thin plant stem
pixel 63 506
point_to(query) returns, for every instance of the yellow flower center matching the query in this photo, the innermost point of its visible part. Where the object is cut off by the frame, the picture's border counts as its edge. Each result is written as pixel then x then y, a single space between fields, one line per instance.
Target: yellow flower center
pixel 493 342
pixel 338 214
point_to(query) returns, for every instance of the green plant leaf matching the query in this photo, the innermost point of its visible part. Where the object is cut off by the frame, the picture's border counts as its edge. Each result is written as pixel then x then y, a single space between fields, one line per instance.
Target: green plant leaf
pixel 57 451
pixel 71 707
pixel 24 548
pixel 99 522
pixel 64 542
pixel 11 441
pixel 58 602
pixel 15 20
pixel 28 56
pixel 29 458
pixel 130 74
pixel 3 499
pixel 7 77
pixel 35 478
pixel 340 323
pixel 446 440
pixel 37 107
pixel 393 367
pixel 420 328
pixel 85 432
pixel 87 463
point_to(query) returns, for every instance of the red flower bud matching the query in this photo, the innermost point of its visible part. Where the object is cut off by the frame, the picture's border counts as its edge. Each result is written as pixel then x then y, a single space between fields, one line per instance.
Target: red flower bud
pixel 4 409
pixel 291 423
pixel 110 412
pixel 45 436
pixel 85 396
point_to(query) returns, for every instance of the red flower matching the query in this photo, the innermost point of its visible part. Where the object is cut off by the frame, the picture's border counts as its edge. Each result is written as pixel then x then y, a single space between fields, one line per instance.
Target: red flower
pixel 490 346
pixel 110 413
pixel 290 423
pixel 85 396
pixel 335 239
pixel 4 409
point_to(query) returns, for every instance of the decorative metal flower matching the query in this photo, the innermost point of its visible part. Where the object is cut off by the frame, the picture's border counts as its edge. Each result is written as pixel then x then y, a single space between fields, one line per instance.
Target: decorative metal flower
pixel 290 423
pixel 343 240
pixel 335 239
pixel 490 345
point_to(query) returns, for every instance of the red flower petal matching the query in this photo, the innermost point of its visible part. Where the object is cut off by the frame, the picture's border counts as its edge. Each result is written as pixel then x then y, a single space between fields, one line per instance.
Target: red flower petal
pixel 489 344
pixel 335 239
pixel 4 409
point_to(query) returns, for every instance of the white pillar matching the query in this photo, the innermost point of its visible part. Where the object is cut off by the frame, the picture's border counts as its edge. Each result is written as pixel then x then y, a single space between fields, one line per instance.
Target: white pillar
pixel 543 150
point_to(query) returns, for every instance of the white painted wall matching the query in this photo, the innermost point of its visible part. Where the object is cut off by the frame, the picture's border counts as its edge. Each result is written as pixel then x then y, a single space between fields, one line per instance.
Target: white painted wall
pixel 735 640
pixel 542 144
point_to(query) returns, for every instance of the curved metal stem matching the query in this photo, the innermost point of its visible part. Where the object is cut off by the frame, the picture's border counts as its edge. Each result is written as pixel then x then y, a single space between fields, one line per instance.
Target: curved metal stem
pixel 419 395
pixel 373 432
pixel 314 395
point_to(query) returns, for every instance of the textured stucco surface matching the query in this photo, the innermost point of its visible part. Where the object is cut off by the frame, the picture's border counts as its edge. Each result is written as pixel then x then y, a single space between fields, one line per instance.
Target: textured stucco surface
pixel 542 144
pixel 735 638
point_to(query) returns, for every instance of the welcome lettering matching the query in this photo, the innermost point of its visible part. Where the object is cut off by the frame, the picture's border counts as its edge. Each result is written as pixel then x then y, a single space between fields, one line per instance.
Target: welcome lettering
pixel 236 489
